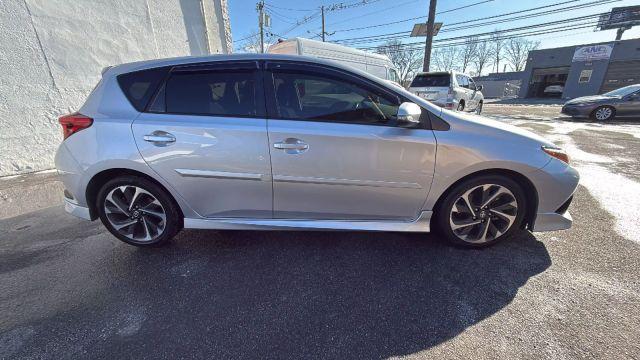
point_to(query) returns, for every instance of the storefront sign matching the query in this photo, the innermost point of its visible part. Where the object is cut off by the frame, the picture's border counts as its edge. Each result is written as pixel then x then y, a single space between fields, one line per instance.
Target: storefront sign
pixel 593 52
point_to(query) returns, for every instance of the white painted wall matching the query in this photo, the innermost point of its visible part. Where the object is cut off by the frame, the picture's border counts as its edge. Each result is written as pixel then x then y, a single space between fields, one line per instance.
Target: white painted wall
pixel 52 52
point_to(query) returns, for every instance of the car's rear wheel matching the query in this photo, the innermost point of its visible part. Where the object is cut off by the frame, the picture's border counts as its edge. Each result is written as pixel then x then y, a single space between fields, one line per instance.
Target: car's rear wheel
pixel 461 106
pixel 603 113
pixel 138 211
pixel 481 211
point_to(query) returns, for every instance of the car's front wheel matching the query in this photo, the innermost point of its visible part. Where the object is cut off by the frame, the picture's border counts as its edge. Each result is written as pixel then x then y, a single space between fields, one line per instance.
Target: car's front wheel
pixel 481 211
pixel 603 113
pixel 137 211
pixel 479 108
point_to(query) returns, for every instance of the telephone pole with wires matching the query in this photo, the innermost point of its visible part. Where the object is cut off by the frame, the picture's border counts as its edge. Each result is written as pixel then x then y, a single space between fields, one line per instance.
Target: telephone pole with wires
pixel 429 41
pixel 260 8
pixel 323 31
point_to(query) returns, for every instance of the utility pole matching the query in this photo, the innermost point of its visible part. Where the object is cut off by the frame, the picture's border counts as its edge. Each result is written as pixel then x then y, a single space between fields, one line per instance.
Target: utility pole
pixel 260 8
pixel 429 40
pixel 322 10
pixel 621 31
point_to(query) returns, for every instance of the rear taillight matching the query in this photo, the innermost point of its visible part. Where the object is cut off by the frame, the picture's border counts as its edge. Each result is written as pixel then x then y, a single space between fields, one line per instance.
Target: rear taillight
pixel 73 123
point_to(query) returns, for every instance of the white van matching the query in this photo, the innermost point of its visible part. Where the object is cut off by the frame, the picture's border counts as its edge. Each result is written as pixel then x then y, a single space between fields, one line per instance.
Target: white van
pixel 375 64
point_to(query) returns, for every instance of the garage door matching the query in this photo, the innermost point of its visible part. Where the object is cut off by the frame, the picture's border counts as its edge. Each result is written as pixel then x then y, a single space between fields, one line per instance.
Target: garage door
pixel 542 78
pixel 621 73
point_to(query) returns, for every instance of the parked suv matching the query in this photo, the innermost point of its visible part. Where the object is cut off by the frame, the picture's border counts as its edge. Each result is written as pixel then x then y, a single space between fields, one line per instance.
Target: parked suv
pixel 450 90
pixel 262 141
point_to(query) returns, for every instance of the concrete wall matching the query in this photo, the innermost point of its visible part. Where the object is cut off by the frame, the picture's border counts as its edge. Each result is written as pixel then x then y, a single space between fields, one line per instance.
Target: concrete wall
pixel 52 52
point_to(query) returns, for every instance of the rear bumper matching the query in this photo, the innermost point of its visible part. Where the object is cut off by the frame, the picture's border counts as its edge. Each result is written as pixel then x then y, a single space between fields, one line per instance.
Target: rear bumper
pixel 77 210
pixel 552 222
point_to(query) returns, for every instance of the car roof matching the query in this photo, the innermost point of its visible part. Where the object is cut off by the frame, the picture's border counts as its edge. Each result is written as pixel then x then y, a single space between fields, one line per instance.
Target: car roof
pixel 185 60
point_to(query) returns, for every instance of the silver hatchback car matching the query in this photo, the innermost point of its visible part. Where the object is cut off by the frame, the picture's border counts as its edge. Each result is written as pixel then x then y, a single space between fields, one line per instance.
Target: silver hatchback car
pixel 451 90
pixel 275 142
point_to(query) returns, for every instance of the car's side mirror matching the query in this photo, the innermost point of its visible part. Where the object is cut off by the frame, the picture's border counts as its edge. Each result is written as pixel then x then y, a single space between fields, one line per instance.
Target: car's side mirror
pixel 409 115
pixel 479 87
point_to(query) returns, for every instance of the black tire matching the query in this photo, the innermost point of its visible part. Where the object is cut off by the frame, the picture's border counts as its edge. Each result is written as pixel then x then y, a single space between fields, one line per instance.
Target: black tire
pixel 461 106
pixel 612 112
pixel 443 213
pixel 173 219
pixel 479 108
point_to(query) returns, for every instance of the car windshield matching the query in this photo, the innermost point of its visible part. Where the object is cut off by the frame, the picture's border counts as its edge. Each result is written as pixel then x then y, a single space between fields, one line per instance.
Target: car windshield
pixel 623 91
pixel 431 80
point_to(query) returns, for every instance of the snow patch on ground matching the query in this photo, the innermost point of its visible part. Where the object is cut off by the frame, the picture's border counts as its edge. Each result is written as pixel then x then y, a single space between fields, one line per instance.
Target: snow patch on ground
pixel 615 193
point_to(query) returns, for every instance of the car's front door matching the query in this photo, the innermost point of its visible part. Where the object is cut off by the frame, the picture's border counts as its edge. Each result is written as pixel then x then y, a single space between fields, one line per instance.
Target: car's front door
pixel 629 105
pixel 335 153
pixel 206 134
pixel 475 95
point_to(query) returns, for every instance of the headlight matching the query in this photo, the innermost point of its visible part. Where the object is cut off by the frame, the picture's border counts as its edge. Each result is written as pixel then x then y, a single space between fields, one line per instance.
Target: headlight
pixel 557 153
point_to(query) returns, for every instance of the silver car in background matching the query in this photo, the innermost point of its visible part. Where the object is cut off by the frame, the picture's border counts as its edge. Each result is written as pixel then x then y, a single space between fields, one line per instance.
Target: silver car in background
pixel 277 142
pixel 451 90
pixel 622 102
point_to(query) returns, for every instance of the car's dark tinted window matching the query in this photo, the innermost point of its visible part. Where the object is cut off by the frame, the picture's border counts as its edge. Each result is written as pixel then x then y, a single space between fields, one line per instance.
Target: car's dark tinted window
pixel 428 80
pixel 139 86
pixel 223 93
pixel 319 98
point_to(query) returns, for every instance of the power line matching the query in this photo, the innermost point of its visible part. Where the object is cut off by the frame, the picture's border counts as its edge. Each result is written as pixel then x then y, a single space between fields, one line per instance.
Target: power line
pixel 479 19
pixel 394 35
pixel 288 9
pixel 463 7
pixel 505 31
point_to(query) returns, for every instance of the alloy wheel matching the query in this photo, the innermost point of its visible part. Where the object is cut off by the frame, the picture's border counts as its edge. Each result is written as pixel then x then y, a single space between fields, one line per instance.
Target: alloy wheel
pixel 604 113
pixel 483 213
pixel 135 213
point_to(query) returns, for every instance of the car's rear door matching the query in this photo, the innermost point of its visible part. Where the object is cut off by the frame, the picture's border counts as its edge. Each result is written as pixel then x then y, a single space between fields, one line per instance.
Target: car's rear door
pixel 205 133
pixel 335 151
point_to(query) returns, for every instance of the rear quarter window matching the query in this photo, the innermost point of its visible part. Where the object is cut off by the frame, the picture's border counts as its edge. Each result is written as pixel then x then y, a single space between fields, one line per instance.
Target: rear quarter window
pixel 431 80
pixel 139 86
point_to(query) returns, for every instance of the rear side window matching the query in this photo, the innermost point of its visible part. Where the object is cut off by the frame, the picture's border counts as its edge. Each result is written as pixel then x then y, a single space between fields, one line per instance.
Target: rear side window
pixel 210 92
pixel 431 80
pixel 139 86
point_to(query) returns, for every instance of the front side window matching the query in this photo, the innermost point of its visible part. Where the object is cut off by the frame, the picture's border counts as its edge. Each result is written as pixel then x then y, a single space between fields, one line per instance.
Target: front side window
pixel 463 81
pixel 319 98
pixel 207 92
pixel 393 76
pixel 472 84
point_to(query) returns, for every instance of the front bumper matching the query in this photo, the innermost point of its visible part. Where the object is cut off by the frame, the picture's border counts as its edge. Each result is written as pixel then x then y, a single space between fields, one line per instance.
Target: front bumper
pixel 552 222
pixel 576 111
pixel 77 210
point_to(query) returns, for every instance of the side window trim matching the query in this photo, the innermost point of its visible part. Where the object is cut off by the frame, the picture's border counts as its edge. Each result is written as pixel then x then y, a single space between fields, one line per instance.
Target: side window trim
pixel 250 66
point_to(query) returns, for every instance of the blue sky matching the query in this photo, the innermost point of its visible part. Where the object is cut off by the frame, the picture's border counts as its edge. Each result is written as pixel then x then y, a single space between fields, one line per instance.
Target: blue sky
pixel 285 13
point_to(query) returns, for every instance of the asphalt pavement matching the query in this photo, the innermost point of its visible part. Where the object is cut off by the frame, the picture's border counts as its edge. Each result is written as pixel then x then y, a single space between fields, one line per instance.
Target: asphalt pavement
pixel 68 289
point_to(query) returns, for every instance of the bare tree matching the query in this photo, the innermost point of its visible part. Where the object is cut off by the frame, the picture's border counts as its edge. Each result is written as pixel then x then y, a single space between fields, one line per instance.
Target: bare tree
pixel 498 47
pixel 469 52
pixel 446 58
pixel 517 52
pixel 483 57
pixel 407 60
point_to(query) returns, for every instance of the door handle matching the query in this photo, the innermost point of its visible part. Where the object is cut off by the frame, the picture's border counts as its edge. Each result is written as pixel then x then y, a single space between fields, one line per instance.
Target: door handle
pixel 160 138
pixel 285 146
pixel 292 146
